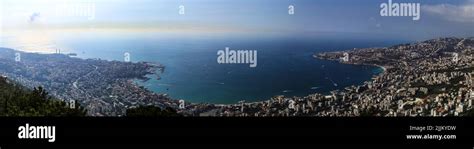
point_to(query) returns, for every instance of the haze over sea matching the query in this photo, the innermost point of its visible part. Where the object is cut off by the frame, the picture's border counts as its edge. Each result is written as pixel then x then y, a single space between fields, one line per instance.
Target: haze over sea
pixel 285 63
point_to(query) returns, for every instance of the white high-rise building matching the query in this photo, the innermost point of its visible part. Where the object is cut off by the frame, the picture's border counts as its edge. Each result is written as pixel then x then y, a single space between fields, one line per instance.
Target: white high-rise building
pixel 470 103
pixel 460 108
pixel 472 94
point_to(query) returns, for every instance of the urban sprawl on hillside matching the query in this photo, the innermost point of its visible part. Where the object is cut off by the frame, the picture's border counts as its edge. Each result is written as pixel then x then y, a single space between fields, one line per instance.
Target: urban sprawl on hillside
pixel 429 78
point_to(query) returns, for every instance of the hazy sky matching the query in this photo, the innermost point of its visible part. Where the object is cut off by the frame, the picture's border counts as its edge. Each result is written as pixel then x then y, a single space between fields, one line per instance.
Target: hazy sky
pixel 438 17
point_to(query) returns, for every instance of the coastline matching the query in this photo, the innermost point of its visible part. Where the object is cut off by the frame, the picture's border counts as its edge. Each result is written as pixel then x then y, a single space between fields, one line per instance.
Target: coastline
pixel 155 69
pixel 371 69
pixel 387 93
pixel 384 92
pixel 103 87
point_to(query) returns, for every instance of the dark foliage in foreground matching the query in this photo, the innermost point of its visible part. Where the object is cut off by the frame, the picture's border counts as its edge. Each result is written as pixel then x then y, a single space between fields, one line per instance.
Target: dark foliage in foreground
pixel 15 100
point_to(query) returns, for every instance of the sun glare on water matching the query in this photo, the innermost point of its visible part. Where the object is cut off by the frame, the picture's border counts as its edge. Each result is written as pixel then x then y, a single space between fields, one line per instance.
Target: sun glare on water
pixel 38 41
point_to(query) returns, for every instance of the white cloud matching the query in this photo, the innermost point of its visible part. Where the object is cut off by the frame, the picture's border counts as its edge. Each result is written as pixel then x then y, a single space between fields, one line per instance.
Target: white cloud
pixel 458 13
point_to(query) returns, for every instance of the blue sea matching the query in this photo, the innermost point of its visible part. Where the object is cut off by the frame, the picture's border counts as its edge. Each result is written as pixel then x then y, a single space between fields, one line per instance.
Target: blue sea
pixel 285 64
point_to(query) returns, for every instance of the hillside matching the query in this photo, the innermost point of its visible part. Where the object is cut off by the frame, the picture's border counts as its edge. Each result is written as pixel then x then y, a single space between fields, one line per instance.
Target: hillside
pixel 16 100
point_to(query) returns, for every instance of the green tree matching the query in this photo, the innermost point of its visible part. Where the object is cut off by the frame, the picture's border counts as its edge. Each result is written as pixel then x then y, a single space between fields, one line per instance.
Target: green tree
pixel 18 101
